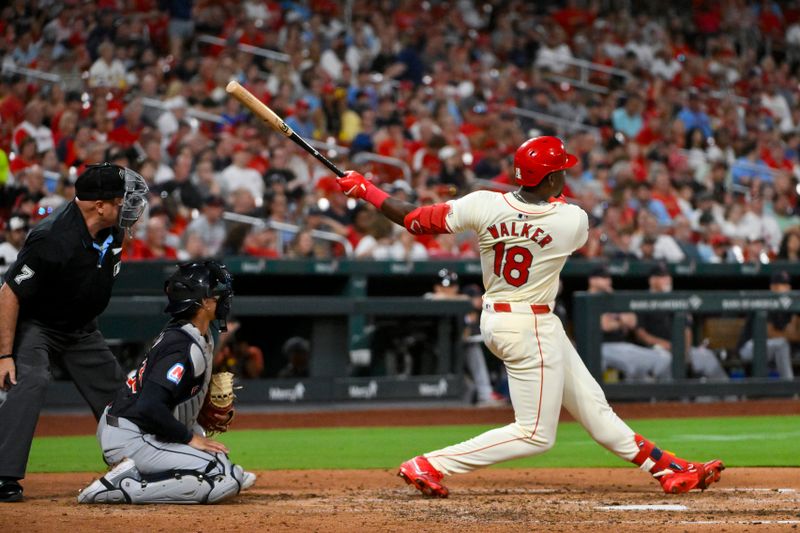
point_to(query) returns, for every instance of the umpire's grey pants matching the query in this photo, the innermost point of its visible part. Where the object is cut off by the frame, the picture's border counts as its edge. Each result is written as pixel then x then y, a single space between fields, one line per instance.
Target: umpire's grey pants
pixel 89 363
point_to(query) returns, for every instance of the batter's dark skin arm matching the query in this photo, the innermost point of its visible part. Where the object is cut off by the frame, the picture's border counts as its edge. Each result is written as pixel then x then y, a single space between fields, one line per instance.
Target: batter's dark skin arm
pixel 396 211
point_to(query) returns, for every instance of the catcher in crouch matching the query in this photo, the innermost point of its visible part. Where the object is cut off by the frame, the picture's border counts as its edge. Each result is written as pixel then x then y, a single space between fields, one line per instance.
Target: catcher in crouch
pixel 154 431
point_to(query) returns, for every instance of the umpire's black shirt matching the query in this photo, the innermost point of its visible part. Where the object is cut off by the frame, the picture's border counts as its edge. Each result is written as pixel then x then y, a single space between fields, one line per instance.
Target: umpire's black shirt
pixel 62 277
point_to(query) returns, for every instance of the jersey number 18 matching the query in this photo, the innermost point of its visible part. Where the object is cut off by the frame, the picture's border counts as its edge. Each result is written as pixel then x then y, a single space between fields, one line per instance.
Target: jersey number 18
pixel 513 265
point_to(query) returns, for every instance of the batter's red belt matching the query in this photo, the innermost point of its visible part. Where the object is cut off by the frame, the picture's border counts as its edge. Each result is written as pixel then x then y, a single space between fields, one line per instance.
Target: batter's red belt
pixel 517 307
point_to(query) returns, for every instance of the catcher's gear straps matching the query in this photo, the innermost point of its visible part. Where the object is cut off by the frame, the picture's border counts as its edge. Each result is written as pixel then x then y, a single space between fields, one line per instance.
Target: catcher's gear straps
pixel 220 482
pixel 428 219
pixel 195 356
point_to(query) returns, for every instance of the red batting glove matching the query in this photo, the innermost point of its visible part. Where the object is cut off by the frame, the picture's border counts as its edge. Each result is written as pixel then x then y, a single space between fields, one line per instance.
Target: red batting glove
pixel 557 199
pixel 354 185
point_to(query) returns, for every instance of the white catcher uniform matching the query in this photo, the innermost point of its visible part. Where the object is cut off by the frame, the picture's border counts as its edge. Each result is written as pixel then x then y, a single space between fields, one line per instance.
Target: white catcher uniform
pixel 523 249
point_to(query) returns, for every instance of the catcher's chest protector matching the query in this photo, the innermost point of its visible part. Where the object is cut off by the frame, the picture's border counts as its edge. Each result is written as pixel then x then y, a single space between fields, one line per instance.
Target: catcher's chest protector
pixel 180 361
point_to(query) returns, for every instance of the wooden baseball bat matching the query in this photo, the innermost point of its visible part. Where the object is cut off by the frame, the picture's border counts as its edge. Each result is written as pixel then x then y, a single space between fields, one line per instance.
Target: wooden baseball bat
pixel 259 109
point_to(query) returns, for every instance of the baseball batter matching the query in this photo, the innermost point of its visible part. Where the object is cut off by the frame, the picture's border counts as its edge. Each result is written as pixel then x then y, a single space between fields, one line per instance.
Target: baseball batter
pixel 525 238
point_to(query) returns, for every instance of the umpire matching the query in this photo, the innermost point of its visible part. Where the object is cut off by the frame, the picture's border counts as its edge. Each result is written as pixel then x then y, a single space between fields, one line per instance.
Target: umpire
pixel 59 284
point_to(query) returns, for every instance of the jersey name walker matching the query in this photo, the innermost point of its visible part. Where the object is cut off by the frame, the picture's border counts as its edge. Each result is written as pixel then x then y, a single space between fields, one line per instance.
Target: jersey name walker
pixel 523 246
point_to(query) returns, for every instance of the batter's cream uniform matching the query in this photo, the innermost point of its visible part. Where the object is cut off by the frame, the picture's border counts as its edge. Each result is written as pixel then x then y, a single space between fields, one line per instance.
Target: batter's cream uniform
pixel 523 249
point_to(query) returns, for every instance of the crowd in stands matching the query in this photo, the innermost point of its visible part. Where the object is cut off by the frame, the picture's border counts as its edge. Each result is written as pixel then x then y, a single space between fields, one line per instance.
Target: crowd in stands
pixel 688 143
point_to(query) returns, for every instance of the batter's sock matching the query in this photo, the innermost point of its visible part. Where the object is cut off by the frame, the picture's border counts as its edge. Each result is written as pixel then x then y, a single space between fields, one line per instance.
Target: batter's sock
pixel 655 460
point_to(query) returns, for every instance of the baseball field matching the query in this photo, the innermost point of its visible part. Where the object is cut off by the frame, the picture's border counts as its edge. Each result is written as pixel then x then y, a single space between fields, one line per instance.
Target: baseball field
pixel 335 471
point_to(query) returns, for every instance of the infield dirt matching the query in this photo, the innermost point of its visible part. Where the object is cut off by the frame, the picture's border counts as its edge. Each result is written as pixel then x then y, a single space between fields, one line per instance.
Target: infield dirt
pixel 746 499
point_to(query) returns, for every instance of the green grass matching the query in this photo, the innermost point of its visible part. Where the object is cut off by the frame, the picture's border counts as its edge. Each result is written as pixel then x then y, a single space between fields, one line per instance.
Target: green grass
pixel 739 441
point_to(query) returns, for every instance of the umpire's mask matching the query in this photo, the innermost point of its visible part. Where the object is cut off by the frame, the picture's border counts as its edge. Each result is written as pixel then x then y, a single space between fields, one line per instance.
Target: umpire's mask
pixel 104 181
pixel 134 200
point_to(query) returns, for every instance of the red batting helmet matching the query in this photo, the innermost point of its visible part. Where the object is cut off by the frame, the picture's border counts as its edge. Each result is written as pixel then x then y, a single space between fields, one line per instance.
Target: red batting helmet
pixel 538 157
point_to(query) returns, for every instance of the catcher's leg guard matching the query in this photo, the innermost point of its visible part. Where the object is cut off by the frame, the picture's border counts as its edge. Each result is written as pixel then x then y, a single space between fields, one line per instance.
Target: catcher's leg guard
pixel 109 488
pixel 227 485
pixel 172 487
pixel 217 484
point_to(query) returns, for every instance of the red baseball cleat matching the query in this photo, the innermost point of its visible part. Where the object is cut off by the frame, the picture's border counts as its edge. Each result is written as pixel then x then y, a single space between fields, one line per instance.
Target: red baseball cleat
pixel 420 473
pixel 697 476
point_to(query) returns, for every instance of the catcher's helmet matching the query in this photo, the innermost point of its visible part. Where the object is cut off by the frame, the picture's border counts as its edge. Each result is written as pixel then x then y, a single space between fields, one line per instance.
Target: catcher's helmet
pixel 538 157
pixel 192 282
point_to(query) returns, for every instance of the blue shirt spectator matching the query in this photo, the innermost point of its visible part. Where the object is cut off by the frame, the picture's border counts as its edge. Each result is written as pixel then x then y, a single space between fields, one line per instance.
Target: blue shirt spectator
pixel 748 168
pixel 301 121
pixel 628 119
pixel 696 119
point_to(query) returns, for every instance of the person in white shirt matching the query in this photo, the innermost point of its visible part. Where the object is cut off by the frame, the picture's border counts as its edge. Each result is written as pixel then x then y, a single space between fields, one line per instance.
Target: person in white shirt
pixel 16 232
pixel 32 127
pixel 107 71
pixel 169 121
pixel 773 101
pixel 238 175
pixel 554 54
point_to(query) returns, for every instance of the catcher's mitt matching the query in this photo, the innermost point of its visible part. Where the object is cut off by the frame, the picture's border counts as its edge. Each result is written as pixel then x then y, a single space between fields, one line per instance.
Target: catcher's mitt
pixel 217 411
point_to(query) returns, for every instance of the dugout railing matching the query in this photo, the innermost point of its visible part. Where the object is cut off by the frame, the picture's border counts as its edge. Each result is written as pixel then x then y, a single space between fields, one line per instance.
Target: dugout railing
pixel 588 336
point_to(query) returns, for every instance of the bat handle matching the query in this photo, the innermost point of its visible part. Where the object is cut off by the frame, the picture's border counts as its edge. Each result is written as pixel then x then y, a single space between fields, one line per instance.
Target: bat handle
pixel 313 151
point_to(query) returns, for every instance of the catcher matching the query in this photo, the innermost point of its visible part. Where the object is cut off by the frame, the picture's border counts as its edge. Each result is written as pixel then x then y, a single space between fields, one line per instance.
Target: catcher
pixel 154 432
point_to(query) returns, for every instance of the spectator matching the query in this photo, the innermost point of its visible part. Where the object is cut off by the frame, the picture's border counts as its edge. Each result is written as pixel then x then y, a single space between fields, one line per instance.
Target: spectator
pixel 654 330
pixel 297 352
pixel 33 127
pixel 377 100
pixel 474 356
pixel 628 119
pixel 304 247
pixel 16 231
pixel 782 329
pixel 239 175
pixel 237 355
pixel 181 186
pixel 154 244
pixel 377 243
pixel 209 226
pixel 262 242
pixel 300 121
pixel 790 246
pixel 107 71
pixel 693 116
pixel 634 362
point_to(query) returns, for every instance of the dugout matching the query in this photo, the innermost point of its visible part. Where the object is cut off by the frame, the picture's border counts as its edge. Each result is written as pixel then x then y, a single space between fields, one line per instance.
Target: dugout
pixel 338 304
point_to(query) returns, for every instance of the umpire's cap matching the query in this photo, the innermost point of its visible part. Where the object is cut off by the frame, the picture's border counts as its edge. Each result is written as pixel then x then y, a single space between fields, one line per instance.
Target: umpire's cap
pixel 101 182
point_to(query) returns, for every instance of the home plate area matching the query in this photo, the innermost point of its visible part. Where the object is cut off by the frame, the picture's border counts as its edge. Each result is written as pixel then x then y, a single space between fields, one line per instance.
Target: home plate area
pixel 496 499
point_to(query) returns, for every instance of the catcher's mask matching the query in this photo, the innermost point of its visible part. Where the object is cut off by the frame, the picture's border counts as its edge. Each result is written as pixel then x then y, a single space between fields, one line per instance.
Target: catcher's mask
pixel 192 282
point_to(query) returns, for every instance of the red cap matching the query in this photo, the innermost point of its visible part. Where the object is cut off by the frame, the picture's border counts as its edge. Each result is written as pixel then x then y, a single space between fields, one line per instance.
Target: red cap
pixel 538 157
